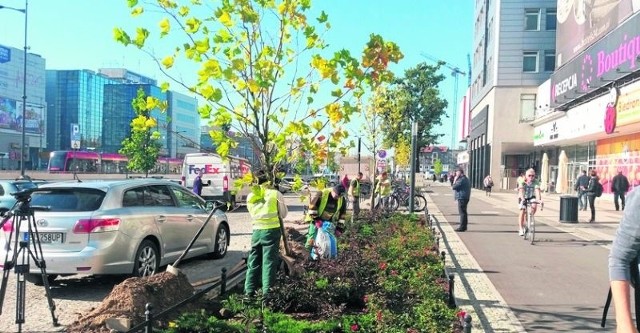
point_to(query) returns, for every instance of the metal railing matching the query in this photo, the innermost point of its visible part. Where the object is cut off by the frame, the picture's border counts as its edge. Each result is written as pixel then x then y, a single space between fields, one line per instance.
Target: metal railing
pixel 451 299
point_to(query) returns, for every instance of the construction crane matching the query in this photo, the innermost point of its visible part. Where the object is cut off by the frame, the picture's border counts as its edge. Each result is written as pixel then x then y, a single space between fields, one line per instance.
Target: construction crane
pixel 455 72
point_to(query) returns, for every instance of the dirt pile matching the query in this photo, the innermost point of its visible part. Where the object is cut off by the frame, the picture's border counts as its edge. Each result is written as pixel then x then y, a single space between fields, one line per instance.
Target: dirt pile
pixel 128 299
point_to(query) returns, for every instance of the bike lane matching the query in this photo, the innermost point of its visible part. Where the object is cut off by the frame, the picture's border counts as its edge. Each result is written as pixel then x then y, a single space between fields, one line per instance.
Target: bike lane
pixel 559 284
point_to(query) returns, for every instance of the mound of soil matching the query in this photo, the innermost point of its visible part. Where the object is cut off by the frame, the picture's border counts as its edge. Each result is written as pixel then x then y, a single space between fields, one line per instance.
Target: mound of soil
pixel 128 299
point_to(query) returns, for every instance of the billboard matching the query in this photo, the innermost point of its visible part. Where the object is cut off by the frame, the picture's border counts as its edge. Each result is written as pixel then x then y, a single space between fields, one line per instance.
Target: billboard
pixel 583 22
pixel 606 60
pixel 11 116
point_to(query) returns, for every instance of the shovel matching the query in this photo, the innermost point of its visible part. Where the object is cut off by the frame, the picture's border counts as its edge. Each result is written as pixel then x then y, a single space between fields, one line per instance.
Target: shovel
pixel 287 259
pixel 173 269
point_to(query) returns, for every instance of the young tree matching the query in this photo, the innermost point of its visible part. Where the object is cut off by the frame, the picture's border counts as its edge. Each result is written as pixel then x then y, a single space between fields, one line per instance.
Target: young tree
pixel 142 147
pixel 417 99
pixel 264 73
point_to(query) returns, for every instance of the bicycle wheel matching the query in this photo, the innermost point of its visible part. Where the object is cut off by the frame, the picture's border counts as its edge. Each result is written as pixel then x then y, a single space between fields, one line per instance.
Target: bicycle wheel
pixel 532 228
pixel 419 202
pixel 393 203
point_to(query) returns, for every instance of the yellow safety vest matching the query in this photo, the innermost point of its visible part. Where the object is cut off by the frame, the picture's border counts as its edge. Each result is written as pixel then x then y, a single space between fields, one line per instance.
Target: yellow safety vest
pixel 356 189
pixel 323 203
pixel 264 213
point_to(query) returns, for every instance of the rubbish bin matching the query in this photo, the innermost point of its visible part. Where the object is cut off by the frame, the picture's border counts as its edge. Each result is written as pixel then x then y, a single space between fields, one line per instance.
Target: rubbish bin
pixel 569 209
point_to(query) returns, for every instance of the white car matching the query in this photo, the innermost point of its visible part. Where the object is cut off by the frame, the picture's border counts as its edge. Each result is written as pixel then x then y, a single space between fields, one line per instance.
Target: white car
pixel 118 227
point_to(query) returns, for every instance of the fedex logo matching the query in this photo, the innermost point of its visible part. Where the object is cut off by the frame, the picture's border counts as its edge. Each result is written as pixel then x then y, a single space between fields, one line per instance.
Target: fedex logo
pixel 207 169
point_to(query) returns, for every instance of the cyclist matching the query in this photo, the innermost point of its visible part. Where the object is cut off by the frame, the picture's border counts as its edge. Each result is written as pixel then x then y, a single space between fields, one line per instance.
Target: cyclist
pixel 528 190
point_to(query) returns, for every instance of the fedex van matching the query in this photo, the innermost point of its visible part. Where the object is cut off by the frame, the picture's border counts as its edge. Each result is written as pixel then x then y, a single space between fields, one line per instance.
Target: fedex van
pixel 218 176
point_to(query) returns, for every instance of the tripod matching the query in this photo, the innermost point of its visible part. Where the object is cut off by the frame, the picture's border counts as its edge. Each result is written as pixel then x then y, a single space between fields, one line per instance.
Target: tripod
pixel 23 246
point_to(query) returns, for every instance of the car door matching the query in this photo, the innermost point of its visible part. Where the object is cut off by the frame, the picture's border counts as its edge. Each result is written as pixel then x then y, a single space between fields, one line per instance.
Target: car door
pixel 173 231
pixel 194 213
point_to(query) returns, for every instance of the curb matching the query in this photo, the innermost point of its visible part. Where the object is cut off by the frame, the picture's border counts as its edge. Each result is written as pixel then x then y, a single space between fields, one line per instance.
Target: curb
pixel 476 295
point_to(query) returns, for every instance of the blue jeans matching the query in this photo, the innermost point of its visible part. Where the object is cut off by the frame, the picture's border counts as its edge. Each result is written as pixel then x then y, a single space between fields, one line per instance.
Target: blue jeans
pixel 582 199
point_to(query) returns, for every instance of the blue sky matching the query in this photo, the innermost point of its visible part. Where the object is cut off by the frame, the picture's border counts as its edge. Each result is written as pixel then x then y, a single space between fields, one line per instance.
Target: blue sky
pixel 77 34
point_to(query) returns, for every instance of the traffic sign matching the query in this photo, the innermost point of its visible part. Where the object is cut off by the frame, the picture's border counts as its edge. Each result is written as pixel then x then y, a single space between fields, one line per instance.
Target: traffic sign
pixel 382 153
pixel 75 136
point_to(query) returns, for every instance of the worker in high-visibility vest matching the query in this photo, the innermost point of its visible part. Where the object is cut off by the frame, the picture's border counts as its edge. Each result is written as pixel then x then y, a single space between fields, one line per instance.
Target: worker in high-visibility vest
pixel 383 190
pixel 354 195
pixel 326 205
pixel 266 212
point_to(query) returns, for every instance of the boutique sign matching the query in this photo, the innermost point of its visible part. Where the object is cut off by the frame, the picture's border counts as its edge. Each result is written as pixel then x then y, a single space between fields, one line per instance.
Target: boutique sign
pixel 606 60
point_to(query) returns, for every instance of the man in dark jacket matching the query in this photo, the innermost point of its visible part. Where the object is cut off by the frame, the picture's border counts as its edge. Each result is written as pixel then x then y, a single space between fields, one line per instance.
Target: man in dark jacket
pixel 462 189
pixel 591 194
pixel 620 186
pixel 581 187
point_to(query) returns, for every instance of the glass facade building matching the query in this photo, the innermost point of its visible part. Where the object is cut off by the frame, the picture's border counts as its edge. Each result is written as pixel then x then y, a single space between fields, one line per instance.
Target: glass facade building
pixel 75 97
pixel 118 113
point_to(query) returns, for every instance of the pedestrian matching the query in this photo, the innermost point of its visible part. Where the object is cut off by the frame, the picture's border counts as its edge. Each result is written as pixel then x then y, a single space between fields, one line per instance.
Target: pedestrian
pixel 434 178
pixel 382 190
pixel 462 188
pixel 266 213
pixel 591 194
pixel 488 184
pixel 345 181
pixel 354 195
pixel 197 182
pixel 521 180
pixel 620 186
pixel 581 186
pixel 452 179
pixel 326 205
pixel 624 251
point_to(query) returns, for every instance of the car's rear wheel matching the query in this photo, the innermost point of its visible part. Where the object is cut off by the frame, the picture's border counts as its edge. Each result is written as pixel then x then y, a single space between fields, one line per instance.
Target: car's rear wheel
pixel 37 278
pixel 221 245
pixel 147 260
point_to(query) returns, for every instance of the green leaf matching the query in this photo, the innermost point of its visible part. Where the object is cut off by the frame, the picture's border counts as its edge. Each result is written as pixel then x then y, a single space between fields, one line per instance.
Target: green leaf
pixel 323 17
pixel 132 3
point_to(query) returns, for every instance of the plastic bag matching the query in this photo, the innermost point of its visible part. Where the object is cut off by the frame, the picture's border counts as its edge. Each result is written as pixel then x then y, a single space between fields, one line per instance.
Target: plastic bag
pixel 325 245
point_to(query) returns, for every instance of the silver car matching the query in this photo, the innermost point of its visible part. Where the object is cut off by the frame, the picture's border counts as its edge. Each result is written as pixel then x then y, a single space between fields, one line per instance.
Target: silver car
pixel 120 227
pixel 7 187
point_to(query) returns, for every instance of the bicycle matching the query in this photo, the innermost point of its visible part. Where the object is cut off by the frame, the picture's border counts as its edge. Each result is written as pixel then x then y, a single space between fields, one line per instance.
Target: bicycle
pixel 530 227
pixel 400 197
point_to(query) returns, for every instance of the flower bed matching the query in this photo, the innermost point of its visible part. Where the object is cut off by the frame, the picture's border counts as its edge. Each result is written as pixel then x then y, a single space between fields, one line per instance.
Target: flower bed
pixel 388 277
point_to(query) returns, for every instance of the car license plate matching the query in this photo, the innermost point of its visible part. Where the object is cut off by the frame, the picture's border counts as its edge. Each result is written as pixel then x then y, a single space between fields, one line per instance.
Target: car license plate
pixel 46 237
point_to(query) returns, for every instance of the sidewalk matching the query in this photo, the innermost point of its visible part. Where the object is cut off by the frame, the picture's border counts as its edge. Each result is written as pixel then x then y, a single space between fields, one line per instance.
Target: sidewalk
pixel 507 285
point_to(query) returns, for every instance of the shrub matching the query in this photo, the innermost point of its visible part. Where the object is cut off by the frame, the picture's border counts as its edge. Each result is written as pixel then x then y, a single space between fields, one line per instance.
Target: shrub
pixel 387 278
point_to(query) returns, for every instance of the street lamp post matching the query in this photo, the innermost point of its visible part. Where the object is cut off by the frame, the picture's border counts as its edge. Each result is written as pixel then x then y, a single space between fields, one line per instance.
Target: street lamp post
pixel 24 82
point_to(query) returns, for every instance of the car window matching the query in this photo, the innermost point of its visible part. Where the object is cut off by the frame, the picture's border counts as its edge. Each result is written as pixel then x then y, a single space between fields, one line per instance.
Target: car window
pixel 68 199
pixel 24 185
pixel 133 197
pixel 186 199
pixel 157 195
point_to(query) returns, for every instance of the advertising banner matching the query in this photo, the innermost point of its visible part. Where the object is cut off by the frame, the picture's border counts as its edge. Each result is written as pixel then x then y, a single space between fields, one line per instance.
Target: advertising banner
pixel 605 61
pixel 618 154
pixel 583 22
pixel 11 116
pixel 8 113
pixel 5 54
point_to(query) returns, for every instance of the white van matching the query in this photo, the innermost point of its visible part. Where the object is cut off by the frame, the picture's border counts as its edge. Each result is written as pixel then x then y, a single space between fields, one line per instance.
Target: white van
pixel 218 176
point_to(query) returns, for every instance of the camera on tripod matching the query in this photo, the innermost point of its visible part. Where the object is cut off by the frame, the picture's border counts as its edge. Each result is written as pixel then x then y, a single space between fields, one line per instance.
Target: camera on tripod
pixel 21 251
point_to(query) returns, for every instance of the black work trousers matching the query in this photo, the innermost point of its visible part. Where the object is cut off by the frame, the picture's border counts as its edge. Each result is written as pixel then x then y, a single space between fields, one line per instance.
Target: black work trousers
pixel 592 205
pixel 462 211
pixel 617 195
